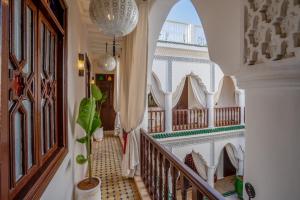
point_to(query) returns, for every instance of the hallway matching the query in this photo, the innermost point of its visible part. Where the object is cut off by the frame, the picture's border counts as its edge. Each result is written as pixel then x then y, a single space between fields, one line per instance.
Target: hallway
pixel 107 156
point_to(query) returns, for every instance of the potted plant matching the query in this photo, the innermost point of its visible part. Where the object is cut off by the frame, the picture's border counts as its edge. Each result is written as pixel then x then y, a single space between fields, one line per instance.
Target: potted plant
pixel 89 120
pixel 98 135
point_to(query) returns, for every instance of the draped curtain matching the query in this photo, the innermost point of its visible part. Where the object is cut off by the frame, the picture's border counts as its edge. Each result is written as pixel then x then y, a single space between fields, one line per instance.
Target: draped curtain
pixel 177 93
pixel 197 92
pixel 226 94
pixel 133 75
pixel 200 165
pixel 159 95
pixel 218 93
pixel 232 157
pixel 157 92
pixel 117 99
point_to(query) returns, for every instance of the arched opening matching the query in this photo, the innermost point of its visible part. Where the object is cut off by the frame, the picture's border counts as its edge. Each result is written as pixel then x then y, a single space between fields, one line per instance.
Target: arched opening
pixel 226 170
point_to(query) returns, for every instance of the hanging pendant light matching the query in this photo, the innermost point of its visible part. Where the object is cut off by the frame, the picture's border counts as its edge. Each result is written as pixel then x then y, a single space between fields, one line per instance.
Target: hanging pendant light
pixel 108 62
pixel 114 17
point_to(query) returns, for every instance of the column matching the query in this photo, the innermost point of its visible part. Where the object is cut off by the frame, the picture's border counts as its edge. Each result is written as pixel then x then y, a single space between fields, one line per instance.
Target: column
pixel 211 175
pixel 240 171
pixel 210 106
pixel 241 103
pixel 272 139
pixel 168 112
pixel 144 124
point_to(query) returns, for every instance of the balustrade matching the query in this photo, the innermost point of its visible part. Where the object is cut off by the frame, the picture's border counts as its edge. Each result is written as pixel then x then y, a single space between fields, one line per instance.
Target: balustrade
pixel 165 176
pixel 186 119
pixel 156 121
pixel 227 116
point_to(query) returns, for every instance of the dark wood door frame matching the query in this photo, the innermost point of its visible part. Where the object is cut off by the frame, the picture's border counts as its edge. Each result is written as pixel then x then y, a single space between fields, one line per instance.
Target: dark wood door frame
pixel 107 113
pixel 87 76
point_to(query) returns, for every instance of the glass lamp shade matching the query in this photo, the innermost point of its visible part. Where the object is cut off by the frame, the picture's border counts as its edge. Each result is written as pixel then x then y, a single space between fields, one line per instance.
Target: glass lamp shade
pixel 114 17
pixel 108 62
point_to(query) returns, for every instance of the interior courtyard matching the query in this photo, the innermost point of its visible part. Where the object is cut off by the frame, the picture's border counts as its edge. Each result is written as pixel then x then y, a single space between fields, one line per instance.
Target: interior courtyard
pixel 149 99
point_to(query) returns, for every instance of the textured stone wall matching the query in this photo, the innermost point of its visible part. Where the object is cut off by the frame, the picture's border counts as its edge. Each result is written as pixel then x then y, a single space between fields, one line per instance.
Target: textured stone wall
pixel 272 30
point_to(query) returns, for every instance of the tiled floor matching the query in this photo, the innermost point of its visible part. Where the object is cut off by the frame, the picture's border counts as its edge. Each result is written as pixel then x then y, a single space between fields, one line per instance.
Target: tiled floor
pixel 107 165
pixel 225 185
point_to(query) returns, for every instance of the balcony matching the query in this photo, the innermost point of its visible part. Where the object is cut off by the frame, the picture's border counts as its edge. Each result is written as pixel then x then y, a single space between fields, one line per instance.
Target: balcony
pixel 182 33
pixel 189 119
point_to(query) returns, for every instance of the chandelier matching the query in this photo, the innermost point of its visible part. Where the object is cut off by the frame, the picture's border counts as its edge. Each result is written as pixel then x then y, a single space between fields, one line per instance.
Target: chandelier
pixel 108 62
pixel 114 17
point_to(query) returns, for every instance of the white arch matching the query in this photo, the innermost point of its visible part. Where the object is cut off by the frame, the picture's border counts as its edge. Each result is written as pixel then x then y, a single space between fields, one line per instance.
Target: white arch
pixel 226 93
pixel 237 151
pixel 222 27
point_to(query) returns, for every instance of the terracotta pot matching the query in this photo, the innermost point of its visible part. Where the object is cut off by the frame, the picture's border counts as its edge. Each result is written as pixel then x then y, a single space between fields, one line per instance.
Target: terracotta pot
pixel 98 135
pixel 93 193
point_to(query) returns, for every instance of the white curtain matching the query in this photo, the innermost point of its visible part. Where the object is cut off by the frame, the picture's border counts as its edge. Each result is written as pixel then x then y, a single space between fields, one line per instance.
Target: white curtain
pixel 226 94
pixel 232 157
pixel 156 91
pixel 117 128
pixel 177 93
pixel 218 93
pixel 133 75
pixel 200 165
pixel 197 92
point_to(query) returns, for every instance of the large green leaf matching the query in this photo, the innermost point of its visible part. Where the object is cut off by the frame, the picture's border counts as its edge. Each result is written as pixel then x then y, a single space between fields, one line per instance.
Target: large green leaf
pixel 96 92
pixel 82 140
pixel 96 123
pixel 80 159
pixel 86 114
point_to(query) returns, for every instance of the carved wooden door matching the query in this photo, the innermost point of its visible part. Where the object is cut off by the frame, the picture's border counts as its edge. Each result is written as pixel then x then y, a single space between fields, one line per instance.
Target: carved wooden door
pixel 106 83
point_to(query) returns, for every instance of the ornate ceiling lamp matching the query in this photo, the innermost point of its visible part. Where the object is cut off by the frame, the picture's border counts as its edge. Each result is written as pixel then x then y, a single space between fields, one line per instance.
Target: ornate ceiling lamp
pixel 108 62
pixel 114 17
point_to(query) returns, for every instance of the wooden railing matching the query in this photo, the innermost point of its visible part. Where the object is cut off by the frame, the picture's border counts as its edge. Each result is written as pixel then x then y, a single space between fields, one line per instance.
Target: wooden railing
pixel 227 116
pixel 165 176
pixel 186 119
pixel 156 121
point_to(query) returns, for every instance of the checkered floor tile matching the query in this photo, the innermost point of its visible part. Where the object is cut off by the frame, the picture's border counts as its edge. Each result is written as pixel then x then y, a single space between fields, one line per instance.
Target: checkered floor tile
pixel 107 156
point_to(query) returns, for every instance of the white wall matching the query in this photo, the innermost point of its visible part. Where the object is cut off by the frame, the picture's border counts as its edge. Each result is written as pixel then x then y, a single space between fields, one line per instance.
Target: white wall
pixel 180 69
pixel 210 148
pixel 62 185
pixel 223 26
pixel 160 68
pixel 272 141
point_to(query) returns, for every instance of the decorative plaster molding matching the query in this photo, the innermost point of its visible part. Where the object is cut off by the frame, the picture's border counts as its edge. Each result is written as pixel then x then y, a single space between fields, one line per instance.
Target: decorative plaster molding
pixel 272 30
pixel 200 139
pixel 274 74
pixel 183 59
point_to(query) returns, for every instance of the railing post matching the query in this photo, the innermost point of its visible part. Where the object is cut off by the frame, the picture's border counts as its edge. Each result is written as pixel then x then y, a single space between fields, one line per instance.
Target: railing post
pixel 168 112
pixel 210 107
pixel 241 103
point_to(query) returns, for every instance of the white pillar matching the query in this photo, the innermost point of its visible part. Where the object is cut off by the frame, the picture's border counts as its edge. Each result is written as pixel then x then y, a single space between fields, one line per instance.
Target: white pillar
pixel 168 112
pixel 272 140
pixel 240 171
pixel 210 175
pixel 241 103
pixel 210 106
pixel 144 124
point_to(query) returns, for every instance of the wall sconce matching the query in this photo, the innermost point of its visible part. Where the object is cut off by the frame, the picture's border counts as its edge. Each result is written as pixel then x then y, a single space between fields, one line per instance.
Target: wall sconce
pixel 93 81
pixel 80 64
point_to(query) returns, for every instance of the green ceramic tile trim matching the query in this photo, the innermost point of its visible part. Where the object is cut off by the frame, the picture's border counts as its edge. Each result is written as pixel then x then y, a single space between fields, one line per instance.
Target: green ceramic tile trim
pixel 226 194
pixel 197 132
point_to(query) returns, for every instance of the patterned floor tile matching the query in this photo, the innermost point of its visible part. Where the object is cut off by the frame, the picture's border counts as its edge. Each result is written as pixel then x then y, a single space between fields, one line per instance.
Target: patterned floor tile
pixel 107 157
